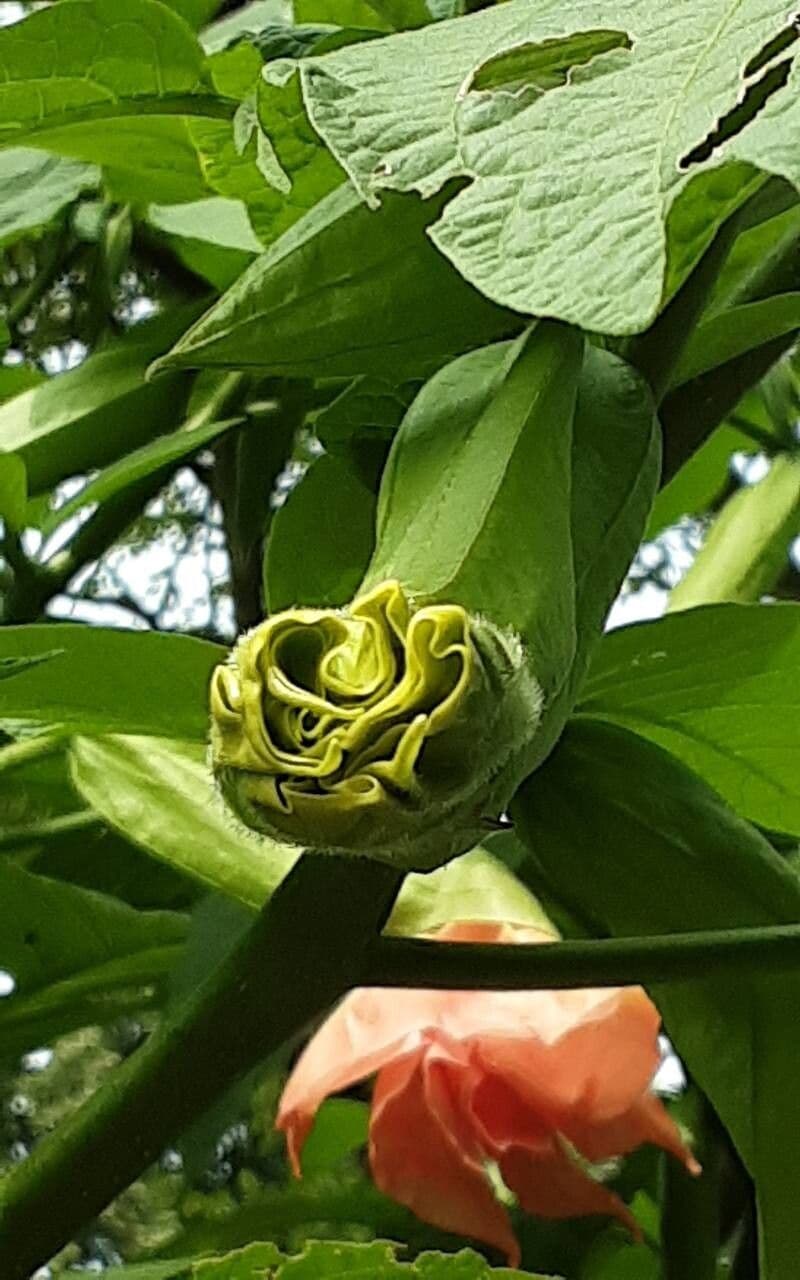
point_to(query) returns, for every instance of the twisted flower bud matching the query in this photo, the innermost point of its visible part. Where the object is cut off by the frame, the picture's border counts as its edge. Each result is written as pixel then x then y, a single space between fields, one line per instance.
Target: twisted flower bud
pixel 377 729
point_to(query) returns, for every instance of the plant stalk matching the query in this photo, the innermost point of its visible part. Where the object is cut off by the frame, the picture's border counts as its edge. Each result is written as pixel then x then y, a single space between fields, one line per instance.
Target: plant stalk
pixel 691 1207
pixel 304 951
pixel 601 962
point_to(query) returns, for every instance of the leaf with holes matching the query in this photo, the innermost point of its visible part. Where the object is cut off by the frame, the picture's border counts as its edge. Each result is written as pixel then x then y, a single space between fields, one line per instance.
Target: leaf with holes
pixel 642 99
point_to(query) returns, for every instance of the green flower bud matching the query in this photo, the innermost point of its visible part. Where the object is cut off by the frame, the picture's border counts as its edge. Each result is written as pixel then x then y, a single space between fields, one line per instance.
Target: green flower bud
pixel 378 729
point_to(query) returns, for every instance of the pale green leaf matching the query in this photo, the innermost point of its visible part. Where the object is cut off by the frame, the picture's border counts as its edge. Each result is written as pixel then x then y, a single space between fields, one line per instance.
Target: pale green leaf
pixel 216 221
pixel 239 1265
pixel 249 20
pixel 575 231
pixel 212 237
pixel 627 836
pixel 345 292
pixel 324 1260
pixel 715 686
pixel 161 795
pixel 476 886
pixel 34 188
pixel 103 680
pixel 151 458
pixel 69 69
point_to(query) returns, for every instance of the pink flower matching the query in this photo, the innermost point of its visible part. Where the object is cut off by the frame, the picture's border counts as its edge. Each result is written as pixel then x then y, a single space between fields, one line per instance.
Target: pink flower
pixel 542 1083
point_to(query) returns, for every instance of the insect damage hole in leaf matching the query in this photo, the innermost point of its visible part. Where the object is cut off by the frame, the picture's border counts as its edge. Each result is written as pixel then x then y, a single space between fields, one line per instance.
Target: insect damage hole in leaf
pixel 542 64
pixel 754 95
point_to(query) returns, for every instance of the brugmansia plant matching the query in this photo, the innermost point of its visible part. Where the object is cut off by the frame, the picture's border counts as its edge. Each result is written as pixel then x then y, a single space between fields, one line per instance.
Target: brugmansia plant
pixel 457 305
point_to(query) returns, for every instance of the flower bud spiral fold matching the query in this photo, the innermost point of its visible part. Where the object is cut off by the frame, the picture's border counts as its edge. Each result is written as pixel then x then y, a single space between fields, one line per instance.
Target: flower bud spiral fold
pixel 378 729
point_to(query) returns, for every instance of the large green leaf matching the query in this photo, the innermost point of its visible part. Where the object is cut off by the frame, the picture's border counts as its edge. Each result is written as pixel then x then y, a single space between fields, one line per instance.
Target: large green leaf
pixel 345 292
pixel 472 503
pixel 321 539
pixel 616 460
pixel 34 188
pixel 638 844
pixel 91 415
pixel 151 458
pixel 161 795
pixel 72 953
pixel 104 681
pixel 734 719
pixel 70 69
pixel 538 227
pixel 452 505
pixel 212 237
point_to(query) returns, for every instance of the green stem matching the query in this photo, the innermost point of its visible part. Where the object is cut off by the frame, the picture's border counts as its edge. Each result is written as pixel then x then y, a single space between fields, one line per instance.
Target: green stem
pixel 746 549
pixel 52 255
pixel 247 465
pixel 602 962
pixel 49 829
pixel 690 1219
pixel 302 953
pixel 29 749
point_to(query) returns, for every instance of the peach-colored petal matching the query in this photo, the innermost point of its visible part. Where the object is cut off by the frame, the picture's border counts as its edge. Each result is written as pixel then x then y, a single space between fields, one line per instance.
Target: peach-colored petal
pixel 372 1026
pixel 553 1185
pixel 647 1121
pixel 368 1029
pixel 415 1159
pixel 597 1066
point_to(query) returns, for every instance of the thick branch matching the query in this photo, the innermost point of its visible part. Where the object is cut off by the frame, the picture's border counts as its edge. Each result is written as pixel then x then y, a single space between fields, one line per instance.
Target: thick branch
pixel 303 952
pixel 617 962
